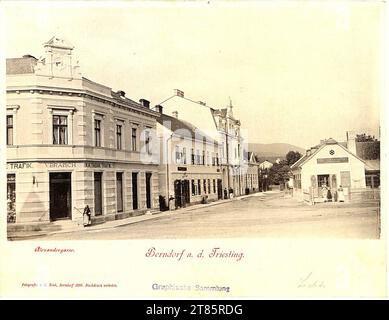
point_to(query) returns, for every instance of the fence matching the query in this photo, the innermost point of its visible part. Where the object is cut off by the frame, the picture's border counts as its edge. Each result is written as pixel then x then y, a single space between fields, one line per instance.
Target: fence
pixel 366 194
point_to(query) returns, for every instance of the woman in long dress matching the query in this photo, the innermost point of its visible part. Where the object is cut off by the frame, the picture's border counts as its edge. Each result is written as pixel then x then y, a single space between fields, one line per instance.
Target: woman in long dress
pixel 340 194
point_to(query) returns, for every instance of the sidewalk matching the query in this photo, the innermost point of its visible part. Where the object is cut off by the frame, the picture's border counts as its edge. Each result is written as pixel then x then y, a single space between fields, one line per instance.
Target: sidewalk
pixel 131 220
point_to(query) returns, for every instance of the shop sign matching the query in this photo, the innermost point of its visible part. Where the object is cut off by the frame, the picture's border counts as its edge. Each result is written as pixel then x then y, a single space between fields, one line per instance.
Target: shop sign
pixel 181 168
pixel 98 164
pixel 20 165
pixel 60 164
pixel 332 160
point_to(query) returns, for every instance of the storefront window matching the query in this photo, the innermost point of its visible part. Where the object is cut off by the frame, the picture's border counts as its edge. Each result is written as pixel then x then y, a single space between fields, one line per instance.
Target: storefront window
pixel 11 198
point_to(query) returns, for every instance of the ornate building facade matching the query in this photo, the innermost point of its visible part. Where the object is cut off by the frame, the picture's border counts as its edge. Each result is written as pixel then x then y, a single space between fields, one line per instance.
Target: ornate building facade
pixel 72 143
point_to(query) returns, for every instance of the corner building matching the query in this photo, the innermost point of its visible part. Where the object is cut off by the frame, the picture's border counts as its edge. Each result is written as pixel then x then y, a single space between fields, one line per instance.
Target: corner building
pixel 72 142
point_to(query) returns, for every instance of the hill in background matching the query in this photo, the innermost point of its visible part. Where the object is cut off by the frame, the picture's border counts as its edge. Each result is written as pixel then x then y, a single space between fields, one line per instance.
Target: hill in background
pixel 272 151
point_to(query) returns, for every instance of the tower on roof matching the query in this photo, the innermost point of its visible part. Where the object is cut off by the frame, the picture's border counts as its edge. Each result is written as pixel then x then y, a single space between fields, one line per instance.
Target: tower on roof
pixel 57 61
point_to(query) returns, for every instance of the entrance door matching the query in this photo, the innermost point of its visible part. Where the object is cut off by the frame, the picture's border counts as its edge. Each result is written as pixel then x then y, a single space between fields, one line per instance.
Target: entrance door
pixel 135 190
pixel 60 195
pixel 178 193
pixel 11 197
pixel 219 189
pixel 185 191
pixel 98 194
pixel 148 190
pixel 323 180
pixel 119 191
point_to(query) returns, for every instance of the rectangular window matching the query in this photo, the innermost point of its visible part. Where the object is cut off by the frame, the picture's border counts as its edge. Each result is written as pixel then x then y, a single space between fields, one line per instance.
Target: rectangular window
pixel 10 131
pixel 119 191
pixel 217 159
pixel 209 185
pixel 184 155
pixel 203 158
pixel 147 141
pixel 177 154
pixel 118 137
pixel 97 133
pixel 198 186
pixel 192 156
pixel 208 159
pixel 214 186
pixel 60 129
pixel 205 186
pixel 193 188
pixel 345 179
pixel 197 157
pixel 133 139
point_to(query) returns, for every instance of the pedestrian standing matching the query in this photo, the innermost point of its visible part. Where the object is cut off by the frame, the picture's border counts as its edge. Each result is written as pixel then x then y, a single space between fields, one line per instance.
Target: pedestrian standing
pixel 340 194
pixel 329 195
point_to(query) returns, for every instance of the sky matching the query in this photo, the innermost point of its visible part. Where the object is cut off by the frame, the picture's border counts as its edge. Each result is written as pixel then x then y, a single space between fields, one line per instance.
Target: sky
pixel 296 72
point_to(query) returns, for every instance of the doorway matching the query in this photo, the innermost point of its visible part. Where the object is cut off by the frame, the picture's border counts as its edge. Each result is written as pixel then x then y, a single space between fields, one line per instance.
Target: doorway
pixel 98 193
pixel 148 190
pixel 135 190
pixel 60 195
pixel 219 189
pixel 181 193
pixel 119 191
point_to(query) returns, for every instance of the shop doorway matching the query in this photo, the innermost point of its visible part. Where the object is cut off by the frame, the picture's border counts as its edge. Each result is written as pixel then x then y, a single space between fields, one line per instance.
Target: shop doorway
pixel 323 180
pixel 98 194
pixel 119 191
pixel 60 195
pixel 135 190
pixel 148 190
pixel 181 193
pixel 219 189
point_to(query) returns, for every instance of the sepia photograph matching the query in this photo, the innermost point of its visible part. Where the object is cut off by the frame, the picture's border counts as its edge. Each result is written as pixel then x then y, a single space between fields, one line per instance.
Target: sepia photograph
pixel 193 120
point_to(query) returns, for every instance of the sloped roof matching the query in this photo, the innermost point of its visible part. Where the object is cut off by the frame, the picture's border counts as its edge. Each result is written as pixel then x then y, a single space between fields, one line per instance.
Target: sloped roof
pixel 23 65
pixel 200 116
pixel 125 100
pixel 183 128
pixel 316 149
pixel 59 43
pixel 372 165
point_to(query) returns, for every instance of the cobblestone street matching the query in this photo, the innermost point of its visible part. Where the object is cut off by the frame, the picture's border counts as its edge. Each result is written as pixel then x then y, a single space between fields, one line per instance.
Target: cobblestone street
pixel 261 215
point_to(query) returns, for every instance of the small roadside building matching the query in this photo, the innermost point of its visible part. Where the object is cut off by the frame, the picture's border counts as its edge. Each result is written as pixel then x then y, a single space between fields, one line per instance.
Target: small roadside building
pixel 265 165
pixel 328 165
pixel 250 173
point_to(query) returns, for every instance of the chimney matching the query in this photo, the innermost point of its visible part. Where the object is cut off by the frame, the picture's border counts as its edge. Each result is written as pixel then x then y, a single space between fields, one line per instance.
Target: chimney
pixel 159 108
pixel 145 103
pixel 121 93
pixel 351 143
pixel 175 114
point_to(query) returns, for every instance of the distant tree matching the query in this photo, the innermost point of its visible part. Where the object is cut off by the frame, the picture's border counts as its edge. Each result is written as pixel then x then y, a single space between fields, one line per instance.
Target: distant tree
pixel 279 173
pixel 363 137
pixel 292 157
